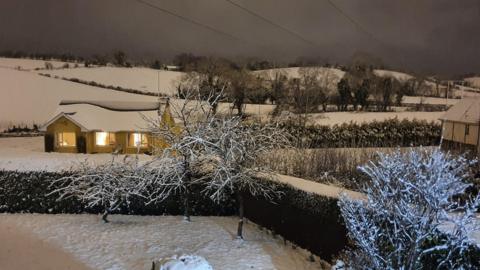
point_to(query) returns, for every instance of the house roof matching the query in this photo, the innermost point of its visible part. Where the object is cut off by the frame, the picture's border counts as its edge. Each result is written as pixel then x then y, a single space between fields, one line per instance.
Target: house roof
pixel 465 111
pixel 119 105
pixel 107 116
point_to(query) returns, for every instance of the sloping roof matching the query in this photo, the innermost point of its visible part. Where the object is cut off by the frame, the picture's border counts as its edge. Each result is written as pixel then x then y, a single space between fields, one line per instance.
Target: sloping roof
pixel 465 111
pixel 119 105
pixel 107 116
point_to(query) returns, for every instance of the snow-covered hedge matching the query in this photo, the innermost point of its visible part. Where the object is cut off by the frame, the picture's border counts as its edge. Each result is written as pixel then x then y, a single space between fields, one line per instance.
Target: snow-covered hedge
pixel 307 220
pixel 388 133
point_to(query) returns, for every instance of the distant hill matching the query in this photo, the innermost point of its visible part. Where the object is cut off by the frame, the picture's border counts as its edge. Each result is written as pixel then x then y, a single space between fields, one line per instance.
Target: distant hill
pixel 138 78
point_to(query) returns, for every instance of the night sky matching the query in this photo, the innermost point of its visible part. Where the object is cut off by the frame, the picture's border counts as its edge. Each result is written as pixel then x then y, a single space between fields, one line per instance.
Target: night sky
pixel 428 36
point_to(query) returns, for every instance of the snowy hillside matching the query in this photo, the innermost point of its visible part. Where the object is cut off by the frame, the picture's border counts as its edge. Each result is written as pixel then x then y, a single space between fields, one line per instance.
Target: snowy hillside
pixel 30 64
pixel 141 79
pixel 293 72
pixel 328 76
pixel 28 98
pixel 474 81
pixel 399 76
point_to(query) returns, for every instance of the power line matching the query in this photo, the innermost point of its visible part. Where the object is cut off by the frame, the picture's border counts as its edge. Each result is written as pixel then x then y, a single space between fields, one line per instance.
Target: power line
pixel 354 22
pixel 363 29
pixel 202 25
pixel 191 21
pixel 291 32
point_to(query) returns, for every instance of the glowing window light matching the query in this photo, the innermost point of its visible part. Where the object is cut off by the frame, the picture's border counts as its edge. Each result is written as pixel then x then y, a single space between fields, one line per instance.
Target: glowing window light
pixel 139 140
pixel 101 138
pixel 104 138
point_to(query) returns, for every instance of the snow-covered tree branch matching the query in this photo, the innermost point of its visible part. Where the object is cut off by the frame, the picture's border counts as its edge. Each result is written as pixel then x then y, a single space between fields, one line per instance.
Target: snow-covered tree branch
pixel 217 151
pixel 234 153
pixel 107 185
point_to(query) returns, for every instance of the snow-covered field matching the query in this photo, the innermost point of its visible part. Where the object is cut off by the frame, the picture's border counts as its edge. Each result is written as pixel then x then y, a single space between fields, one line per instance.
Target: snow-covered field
pixel 337 118
pixel 26 97
pixel 133 242
pixel 30 64
pixel 429 100
pixel 142 79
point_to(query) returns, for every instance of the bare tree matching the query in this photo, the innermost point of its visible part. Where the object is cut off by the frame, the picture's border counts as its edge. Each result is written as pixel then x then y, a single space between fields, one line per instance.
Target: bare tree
pixel 119 58
pixel 327 82
pixel 108 185
pixel 234 154
pixel 410 216
pixel 209 79
pixel 217 151
pixel 344 94
pixel 182 146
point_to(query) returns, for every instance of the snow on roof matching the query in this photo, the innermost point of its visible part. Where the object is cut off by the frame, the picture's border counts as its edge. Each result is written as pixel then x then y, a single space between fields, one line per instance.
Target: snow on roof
pixel 107 116
pixel 465 111
pixel 120 105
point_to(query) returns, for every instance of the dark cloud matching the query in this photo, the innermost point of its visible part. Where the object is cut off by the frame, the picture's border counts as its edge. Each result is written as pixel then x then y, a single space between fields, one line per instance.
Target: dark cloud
pixel 441 36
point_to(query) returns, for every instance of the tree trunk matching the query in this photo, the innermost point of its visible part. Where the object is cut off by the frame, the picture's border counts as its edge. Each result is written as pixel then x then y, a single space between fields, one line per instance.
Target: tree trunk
pixel 241 212
pixel 105 215
pixel 186 205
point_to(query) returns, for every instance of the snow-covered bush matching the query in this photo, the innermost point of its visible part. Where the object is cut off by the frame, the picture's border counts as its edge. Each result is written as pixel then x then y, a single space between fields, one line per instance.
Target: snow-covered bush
pixel 409 219
pixel 184 262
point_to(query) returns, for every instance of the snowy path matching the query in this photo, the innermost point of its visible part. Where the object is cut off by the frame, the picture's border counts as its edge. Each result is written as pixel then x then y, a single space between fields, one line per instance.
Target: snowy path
pixel 132 242
pixel 317 188
pixel 20 249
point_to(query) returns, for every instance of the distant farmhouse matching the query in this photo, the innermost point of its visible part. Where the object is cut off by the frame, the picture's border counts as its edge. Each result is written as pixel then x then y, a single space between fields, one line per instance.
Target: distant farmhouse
pixel 104 127
pixel 461 126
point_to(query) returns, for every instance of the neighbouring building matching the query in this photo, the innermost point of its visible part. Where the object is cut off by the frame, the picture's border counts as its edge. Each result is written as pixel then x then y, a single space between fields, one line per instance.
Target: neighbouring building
pixel 105 127
pixel 460 126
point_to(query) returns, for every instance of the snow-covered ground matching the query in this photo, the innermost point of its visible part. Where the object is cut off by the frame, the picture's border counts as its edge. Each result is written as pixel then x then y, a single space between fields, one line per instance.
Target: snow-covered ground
pixel 30 64
pixel 133 242
pixel 26 97
pixel 365 117
pixel 429 100
pixel 142 79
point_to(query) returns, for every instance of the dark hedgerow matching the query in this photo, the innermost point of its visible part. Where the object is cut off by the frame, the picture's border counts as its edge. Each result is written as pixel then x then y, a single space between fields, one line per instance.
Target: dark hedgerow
pixel 307 220
pixel 388 133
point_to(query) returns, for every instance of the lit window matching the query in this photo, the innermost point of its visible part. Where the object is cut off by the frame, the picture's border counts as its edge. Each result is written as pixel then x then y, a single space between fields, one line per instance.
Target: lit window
pixel 138 140
pixel 65 139
pixel 104 138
